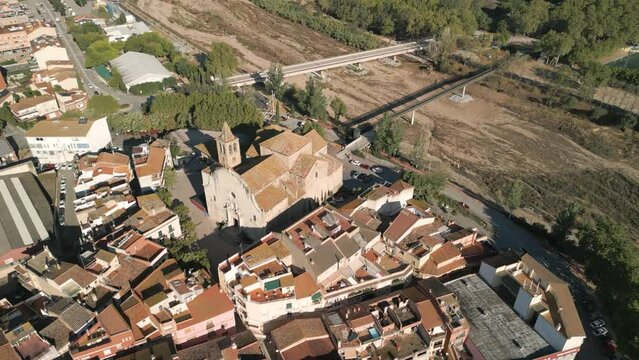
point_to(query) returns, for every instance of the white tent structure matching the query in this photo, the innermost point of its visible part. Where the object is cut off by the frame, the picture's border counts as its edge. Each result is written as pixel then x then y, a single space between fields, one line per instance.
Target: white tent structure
pixel 138 68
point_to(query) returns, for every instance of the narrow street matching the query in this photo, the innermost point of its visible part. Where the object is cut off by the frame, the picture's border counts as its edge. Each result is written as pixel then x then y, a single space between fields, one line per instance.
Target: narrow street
pixel 91 80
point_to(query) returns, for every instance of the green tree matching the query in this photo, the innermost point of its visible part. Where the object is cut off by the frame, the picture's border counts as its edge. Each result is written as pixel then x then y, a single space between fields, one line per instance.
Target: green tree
pixel 555 45
pixel 121 20
pixel 427 187
pixel 338 107
pixel 388 136
pixel 102 105
pixel 312 101
pixel 565 222
pixel 612 264
pixel 312 125
pixel 134 121
pixel 526 16
pixel 275 81
pixel 220 61
pixel 151 43
pixel 418 153
pixel 165 195
pixel 170 177
pixel 515 195
pixel 101 52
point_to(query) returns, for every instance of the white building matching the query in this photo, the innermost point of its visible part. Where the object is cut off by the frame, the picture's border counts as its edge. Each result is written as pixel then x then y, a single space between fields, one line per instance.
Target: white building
pixel 34 107
pixel 123 32
pixel 541 299
pixel 150 162
pixel 54 142
pixel 138 68
pixel 49 53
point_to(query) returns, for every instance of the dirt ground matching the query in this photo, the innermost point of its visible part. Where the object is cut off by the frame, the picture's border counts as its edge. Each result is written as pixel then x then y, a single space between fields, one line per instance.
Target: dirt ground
pixel 505 133
pixel 258 37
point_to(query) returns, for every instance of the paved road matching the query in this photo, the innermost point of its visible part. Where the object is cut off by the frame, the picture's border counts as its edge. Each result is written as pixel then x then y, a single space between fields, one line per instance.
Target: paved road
pixel 91 80
pixel 330 63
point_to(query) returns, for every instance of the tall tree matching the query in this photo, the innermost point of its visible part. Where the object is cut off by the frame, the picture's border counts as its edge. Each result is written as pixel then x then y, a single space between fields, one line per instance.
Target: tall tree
pixel 556 45
pixel 220 61
pixel 312 101
pixel 388 136
pixel 515 195
pixel 526 16
pixel 275 81
pixel 418 153
pixel 565 222
pixel 338 107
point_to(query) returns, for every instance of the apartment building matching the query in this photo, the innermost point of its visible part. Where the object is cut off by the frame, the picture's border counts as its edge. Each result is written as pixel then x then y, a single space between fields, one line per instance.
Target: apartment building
pixel 433 246
pixel 66 79
pixel 71 100
pixel 541 299
pixel 109 334
pixel 44 272
pixel 302 338
pixel 380 199
pixel 341 261
pixel 44 106
pixel 133 244
pixel 48 53
pixel 154 220
pixel 110 168
pixel 150 162
pixel 54 142
pixel 14 42
pixel 167 302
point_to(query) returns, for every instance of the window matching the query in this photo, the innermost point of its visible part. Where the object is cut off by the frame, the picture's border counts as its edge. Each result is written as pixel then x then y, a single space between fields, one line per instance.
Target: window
pixel 39 139
pixel 170 227
pixel 316 174
pixel 289 306
pixel 230 149
pixel 254 218
pixel 160 234
pixel 82 146
pixel 235 147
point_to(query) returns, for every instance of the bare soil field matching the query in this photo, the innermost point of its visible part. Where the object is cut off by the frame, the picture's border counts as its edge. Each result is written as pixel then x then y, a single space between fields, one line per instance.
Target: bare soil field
pixel 258 37
pixel 504 134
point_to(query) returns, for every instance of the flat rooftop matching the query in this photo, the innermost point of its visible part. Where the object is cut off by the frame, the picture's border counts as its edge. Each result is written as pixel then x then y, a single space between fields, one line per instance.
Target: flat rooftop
pixel 495 328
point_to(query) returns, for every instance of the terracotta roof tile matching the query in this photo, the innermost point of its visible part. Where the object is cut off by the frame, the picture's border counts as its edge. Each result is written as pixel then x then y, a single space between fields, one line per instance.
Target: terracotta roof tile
pixel 286 143
pixel 269 197
pixel 305 285
pixel 317 140
pixel 263 173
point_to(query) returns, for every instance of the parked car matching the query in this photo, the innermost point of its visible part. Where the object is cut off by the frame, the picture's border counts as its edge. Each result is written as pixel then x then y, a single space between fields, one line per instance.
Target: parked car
pixel 595 316
pixel 600 332
pixel 597 324
pixel 356 162
pixel 377 169
pixel 365 166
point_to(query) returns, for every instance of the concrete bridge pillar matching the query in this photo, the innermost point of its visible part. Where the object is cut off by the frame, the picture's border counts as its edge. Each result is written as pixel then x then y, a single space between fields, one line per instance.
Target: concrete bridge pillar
pixel 412 118
pixel 463 91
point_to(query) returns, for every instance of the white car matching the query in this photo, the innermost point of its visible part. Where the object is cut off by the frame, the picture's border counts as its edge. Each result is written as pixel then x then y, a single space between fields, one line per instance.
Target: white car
pixel 377 169
pixel 356 162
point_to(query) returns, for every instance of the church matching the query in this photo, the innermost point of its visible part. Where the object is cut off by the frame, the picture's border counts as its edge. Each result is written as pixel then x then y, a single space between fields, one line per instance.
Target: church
pixel 281 176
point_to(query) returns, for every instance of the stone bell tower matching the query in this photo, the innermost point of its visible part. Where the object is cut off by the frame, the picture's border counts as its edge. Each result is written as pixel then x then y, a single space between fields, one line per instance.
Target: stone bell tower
pixel 228 148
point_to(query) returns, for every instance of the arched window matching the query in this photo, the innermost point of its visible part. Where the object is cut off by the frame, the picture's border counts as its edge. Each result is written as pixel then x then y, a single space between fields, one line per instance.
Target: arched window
pixel 235 147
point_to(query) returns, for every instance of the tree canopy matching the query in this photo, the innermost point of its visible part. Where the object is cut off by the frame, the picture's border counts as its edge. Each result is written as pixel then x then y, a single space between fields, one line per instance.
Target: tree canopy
pixel 101 52
pixel 102 105
pixel 151 43
pixel 427 187
pixel 388 136
pixel 220 61
pixel 203 111
pixel 312 101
